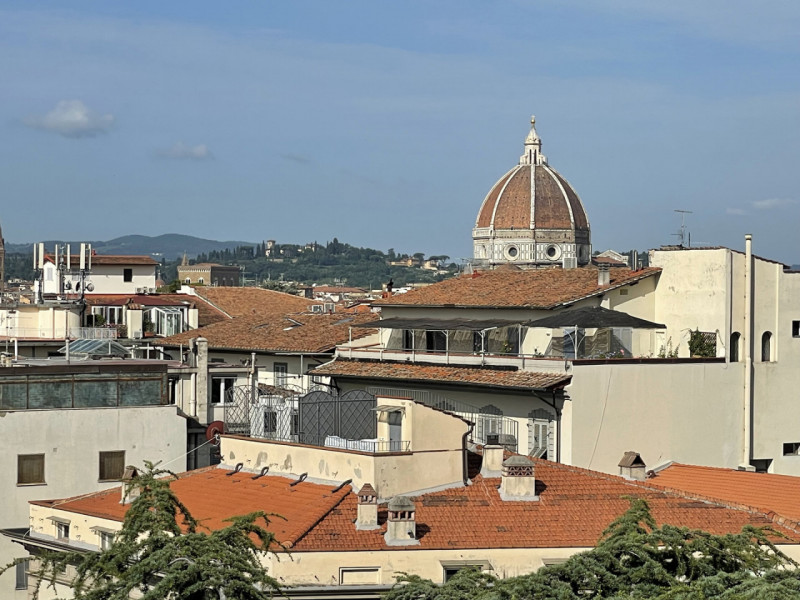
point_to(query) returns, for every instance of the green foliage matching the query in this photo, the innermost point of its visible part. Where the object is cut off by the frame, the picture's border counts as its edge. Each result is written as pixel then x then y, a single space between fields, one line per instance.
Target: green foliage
pixel 635 560
pixel 701 345
pixel 161 553
pixel 668 351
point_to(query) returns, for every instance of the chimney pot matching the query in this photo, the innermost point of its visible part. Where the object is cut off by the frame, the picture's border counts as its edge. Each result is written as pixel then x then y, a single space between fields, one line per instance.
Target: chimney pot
pixel 492 464
pixel 603 276
pixel 519 481
pixel 401 527
pixel 367 511
pixel 130 489
pixel 632 466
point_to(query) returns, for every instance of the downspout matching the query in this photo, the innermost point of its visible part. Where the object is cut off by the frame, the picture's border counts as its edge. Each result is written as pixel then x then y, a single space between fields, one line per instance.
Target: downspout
pixel 464 459
pixel 747 400
pixel 193 396
pixel 554 406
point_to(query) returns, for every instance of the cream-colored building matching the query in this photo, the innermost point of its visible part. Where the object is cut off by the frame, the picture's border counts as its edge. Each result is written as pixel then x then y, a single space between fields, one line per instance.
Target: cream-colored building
pixel 730 407
pixel 355 519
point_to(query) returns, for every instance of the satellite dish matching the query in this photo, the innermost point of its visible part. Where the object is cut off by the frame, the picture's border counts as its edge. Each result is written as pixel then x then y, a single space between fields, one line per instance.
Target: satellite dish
pixel 89 287
pixel 214 430
pixel 67 285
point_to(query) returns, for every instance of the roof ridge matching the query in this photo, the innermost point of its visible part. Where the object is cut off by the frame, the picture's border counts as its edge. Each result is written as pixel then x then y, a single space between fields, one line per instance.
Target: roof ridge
pixel 343 493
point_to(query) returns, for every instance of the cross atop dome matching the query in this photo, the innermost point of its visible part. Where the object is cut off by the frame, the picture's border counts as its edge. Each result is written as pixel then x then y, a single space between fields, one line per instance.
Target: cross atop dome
pixel 533 147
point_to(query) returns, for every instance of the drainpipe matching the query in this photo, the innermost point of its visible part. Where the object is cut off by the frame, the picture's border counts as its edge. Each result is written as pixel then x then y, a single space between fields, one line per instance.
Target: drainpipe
pixel 193 396
pixel 464 459
pixel 747 400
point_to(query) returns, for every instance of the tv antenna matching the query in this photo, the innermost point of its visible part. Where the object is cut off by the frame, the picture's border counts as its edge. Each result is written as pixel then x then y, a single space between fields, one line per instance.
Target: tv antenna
pixel 684 236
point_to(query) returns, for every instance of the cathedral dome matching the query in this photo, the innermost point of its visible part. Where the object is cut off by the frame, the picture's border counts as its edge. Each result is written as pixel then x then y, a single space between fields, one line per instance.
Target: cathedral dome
pixel 532 216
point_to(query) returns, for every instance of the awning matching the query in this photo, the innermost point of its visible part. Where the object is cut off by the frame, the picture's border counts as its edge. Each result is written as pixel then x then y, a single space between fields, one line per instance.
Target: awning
pixel 593 316
pixel 442 324
pixel 388 408
pixel 89 347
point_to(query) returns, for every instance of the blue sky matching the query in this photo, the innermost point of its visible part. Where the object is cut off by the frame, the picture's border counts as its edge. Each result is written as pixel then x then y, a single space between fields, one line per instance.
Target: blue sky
pixel 385 123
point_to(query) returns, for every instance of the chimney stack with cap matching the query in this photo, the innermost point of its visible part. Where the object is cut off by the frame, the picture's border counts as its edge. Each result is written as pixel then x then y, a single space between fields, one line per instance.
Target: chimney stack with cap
pixel 401 527
pixel 632 466
pixel 367 515
pixel 518 482
pixel 492 465
pixel 130 487
pixel 603 276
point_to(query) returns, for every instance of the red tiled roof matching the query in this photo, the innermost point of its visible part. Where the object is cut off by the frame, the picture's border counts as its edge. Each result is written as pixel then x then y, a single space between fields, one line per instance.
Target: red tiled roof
pixel 574 507
pixel 211 497
pixel 279 332
pixel 406 371
pixel 764 491
pixel 241 301
pixel 206 313
pixel 517 288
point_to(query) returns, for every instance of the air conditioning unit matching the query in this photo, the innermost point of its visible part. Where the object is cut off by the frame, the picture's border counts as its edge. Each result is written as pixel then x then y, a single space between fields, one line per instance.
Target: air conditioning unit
pixel 141 290
pixel 317 308
pixel 151 290
pixel 507 440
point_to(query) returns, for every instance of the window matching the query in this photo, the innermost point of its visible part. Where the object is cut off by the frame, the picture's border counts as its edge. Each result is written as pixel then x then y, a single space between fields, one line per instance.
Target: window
pixel 791 449
pixel 451 567
pixel 172 390
pixel 734 346
pixel 408 339
pixel 127 275
pixel 795 328
pixel 106 539
pixel 62 530
pixel 30 469
pixel 221 388
pixel 280 372
pixel 766 347
pixel 359 575
pixel 22 575
pixel 112 465
pixel 435 341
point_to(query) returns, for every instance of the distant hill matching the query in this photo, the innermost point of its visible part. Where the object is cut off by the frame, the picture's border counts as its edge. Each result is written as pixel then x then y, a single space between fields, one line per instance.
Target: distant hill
pixel 169 245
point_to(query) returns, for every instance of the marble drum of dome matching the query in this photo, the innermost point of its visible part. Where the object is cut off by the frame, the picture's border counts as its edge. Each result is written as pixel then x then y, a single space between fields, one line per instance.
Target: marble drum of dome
pixel 532 217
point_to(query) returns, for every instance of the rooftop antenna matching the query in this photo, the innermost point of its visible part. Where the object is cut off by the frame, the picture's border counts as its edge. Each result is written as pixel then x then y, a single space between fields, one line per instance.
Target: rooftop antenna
pixel 684 236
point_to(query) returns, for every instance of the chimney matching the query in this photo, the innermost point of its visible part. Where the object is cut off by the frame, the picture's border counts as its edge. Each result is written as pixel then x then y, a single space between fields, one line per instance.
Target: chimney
pixel 130 487
pixel 603 276
pixel 367 515
pixel 632 466
pixel 401 527
pixel 518 482
pixel 492 465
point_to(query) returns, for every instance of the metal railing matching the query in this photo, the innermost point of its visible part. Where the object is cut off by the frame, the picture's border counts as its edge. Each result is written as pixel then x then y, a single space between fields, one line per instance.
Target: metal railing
pixel 61 333
pixel 487 420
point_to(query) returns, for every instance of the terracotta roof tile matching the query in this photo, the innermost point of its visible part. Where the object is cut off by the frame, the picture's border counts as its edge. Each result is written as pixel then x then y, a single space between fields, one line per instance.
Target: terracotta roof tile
pixel 211 497
pixel 517 288
pixel 574 507
pixel 242 301
pixel 765 491
pixel 481 376
pixel 279 332
pixel 206 313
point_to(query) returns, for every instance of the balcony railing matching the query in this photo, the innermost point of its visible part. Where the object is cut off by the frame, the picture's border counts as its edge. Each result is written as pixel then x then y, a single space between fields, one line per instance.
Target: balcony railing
pixel 60 333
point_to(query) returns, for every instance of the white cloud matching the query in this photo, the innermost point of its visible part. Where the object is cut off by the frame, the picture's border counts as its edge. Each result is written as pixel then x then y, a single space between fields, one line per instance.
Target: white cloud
pixel 735 211
pixel 770 203
pixel 72 119
pixel 180 150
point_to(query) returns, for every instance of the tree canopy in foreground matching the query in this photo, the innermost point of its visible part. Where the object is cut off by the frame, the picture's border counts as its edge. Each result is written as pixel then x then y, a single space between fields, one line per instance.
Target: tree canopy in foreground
pixel 636 559
pixel 160 553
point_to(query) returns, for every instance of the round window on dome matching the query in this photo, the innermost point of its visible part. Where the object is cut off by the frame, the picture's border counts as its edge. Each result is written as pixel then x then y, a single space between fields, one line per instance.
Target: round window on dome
pixel 552 252
pixel 512 252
